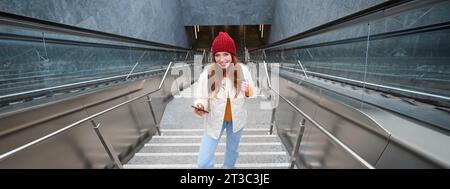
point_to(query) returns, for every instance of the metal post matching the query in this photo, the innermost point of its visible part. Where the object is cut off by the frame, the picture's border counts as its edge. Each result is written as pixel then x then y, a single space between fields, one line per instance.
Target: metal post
pixel 149 100
pixel 203 57
pixel 258 83
pixel 272 121
pixel 178 87
pixel 303 69
pixel 109 149
pixel 297 144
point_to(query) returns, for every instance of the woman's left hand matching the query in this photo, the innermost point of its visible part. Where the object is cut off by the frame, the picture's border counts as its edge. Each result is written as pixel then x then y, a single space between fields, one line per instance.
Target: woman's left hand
pixel 244 86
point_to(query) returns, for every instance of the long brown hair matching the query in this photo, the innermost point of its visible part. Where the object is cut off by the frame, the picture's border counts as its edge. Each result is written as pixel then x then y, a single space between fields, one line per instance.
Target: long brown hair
pixel 216 82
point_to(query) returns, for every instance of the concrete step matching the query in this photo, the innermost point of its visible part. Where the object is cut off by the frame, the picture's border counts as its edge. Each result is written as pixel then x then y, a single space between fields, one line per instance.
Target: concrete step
pixel 194 166
pixel 198 138
pixel 191 158
pixel 200 132
pixel 194 147
pixel 197 123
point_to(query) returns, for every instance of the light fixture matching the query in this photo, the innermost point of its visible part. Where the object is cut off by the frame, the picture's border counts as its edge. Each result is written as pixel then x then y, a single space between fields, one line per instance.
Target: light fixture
pixel 262 30
pixel 195 31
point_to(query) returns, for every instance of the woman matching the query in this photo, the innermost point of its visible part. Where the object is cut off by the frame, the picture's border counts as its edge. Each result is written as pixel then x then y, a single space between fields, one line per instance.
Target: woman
pixel 222 90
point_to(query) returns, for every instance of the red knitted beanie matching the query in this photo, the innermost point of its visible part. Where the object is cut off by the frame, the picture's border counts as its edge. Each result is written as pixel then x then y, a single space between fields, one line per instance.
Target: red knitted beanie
pixel 223 42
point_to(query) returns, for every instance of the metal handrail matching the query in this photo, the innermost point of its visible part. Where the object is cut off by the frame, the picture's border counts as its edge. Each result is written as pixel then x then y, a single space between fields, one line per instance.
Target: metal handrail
pixel 44 138
pixel 321 128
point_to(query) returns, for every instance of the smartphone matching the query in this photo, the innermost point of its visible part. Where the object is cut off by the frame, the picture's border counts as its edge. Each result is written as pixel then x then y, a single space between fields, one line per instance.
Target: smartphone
pixel 200 109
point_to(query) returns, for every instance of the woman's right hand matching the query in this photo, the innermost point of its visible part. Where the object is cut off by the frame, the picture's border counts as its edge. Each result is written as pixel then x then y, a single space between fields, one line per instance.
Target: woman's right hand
pixel 200 113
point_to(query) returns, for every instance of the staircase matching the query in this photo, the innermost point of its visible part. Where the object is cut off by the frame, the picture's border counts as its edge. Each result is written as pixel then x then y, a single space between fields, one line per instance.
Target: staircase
pixel 178 146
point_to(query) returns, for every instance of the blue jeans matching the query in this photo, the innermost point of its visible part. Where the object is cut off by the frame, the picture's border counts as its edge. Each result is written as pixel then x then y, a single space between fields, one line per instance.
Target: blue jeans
pixel 208 147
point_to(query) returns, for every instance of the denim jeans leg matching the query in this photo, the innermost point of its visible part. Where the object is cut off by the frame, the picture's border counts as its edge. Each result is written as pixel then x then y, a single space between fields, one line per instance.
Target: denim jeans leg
pixel 231 153
pixel 206 156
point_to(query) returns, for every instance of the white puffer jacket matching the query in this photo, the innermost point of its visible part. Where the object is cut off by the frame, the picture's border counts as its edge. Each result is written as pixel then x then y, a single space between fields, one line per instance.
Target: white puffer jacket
pixel 213 121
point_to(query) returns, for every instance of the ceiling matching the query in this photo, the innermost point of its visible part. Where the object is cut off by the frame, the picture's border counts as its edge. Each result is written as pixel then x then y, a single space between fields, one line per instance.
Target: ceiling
pixel 249 36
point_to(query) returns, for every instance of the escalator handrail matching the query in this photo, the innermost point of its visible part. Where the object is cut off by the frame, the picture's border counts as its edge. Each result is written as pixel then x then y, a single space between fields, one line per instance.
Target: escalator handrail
pixel 73 125
pixel 73 84
pixel 371 13
pixel 28 22
pixel 321 128
pixel 446 98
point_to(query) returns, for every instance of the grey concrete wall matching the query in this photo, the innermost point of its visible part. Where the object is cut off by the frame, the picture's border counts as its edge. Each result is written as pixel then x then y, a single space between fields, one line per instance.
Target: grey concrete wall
pixel 295 16
pixel 155 20
pixel 227 12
